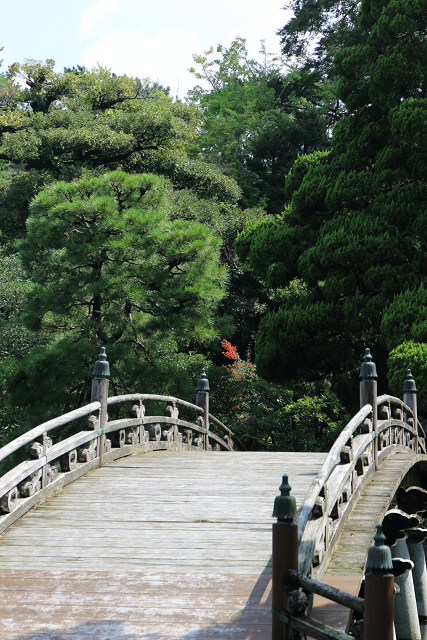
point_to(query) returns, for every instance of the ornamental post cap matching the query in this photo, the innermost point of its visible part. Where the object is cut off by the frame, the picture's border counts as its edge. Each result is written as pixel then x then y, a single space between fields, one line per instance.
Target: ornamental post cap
pixel 409 385
pixel 101 369
pixel 285 505
pixel 203 383
pixel 368 370
pixel 379 555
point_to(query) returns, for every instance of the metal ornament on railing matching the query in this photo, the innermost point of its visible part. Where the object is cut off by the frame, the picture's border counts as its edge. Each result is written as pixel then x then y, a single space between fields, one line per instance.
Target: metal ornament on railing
pixel 203 383
pixel 379 560
pixel 409 385
pixel 285 505
pixel 101 369
pixel 368 370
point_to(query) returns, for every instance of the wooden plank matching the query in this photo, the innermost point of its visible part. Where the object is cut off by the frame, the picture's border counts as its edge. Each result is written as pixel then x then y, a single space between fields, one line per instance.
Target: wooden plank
pixel 165 545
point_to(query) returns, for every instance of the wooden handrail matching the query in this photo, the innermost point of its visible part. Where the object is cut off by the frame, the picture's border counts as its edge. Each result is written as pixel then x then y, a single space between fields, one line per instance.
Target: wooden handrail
pixel 393 400
pixel 327 468
pixel 331 593
pixel 135 397
pixel 31 435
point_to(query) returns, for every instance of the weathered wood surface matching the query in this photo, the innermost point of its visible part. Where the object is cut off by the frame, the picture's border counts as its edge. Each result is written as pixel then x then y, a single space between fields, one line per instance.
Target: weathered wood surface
pixel 161 545
pixel 329 592
pixel 331 613
pixel 349 554
pixel 31 435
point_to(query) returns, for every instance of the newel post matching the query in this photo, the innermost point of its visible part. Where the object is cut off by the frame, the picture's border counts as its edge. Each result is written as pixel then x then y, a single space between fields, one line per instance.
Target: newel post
pixel 202 400
pixel 285 555
pixel 368 394
pixel 100 393
pixel 379 590
pixel 410 399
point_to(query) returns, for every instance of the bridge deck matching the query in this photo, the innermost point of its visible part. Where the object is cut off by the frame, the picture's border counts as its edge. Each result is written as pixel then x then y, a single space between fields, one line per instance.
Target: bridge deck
pixel 162 545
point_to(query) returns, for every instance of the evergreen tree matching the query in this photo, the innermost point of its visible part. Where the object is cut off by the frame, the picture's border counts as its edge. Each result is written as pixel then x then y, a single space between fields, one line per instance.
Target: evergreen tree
pixel 355 234
pixel 318 30
pixel 59 126
pixel 109 268
pixel 254 126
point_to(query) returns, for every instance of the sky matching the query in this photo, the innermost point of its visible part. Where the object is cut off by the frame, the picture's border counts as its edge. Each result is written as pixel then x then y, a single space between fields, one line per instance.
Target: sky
pixel 153 39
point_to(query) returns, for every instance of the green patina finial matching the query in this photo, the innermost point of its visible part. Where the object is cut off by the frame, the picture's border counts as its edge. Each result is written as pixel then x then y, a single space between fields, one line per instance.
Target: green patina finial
pixel 285 506
pixel 101 369
pixel 368 370
pixel 409 385
pixel 379 560
pixel 203 383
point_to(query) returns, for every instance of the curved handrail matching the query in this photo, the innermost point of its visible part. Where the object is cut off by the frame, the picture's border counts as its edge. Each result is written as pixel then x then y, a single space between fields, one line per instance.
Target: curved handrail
pixel 53 466
pixel 393 400
pixel 31 435
pixel 340 484
pixel 328 466
pixel 135 397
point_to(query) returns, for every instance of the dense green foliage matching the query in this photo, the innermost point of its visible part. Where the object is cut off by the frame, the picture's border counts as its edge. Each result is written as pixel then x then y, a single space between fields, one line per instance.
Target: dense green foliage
pixel 61 125
pixel 355 232
pixel 318 30
pixel 108 267
pixel 267 416
pixel 136 202
pixel 254 125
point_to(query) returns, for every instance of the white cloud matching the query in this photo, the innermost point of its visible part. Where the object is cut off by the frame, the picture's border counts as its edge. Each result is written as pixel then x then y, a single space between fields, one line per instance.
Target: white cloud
pixel 164 56
pixel 157 40
pixel 95 14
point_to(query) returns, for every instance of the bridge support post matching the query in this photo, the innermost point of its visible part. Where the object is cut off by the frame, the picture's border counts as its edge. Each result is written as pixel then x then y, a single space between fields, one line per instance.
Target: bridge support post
pixel 368 394
pixel 410 399
pixel 202 400
pixel 406 615
pixel 379 590
pixel 99 393
pixel 285 556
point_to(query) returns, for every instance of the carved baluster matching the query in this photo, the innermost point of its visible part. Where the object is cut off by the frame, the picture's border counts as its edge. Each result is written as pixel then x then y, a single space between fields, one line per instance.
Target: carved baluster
pixel 119 438
pixel 155 431
pixel 171 411
pixel 89 452
pixel 9 501
pixel 415 541
pixel 33 484
pixel 395 523
pixel 45 467
pixel 68 461
pixel 138 411
pixel 187 436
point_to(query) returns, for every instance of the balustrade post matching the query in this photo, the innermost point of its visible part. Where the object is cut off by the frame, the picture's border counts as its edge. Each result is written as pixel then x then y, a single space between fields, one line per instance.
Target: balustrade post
pixel 45 441
pixel 285 556
pixel 100 393
pixel 202 400
pixel 368 395
pixel 410 399
pixel 379 590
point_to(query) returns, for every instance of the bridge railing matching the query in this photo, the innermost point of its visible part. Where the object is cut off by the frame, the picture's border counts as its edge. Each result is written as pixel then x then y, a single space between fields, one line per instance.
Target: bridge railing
pixel 51 466
pixel 381 428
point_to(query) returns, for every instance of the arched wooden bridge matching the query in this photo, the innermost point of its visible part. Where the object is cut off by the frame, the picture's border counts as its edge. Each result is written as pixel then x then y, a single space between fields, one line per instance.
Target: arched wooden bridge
pixel 151 527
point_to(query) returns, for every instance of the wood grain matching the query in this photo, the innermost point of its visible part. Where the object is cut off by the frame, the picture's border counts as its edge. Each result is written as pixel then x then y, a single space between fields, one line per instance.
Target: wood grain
pixel 167 544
